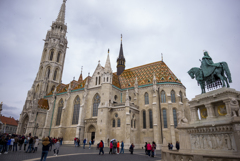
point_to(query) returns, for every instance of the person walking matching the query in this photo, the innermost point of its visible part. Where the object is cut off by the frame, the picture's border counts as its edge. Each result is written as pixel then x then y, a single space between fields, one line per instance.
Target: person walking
pixel 45 148
pixel 21 140
pixel 171 146
pixel 15 143
pixel 153 148
pixel 50 146
pixel 11 144
pixel 149 148
pixel 118 145
pixel 2 144
pixel 84 142
pixel 90 143
pixel 57 146
pixel 146 152
pixel 101 146
pixel 111 147
pixel 177 145
pixel 122 148
pixel 75 141
pixel 131 148
pixel 114 146
pixel 25 143
pixel 30 145
pixel 36 144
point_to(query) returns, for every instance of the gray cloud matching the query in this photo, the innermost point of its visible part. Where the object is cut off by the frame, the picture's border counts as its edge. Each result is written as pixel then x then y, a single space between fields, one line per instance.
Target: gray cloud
pixel 180 30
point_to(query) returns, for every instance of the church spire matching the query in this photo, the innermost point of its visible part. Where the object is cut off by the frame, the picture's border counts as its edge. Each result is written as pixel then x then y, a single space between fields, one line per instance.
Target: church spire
pixel 120 60
pixel 80 77
pixel 61 14
pixel 108 64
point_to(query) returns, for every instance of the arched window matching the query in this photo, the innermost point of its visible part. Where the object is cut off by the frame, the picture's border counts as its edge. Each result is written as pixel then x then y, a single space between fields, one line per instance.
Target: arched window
pixel 96 104
pixel 48 72
pixel 55 74
pixel 76 110
pixel 163 97
pixel 51 55
pixel 53 87
pixel 58 57
pixel 173 100
pixel 175 118
pixel 118 123
pixel 60 107
pixel 99 80
pixel 96 80
pixel 150 119
pixel 134 123
pixel 144 119
pixel 146 98
pixel 113 123
pixel 181 98
pixel 165 118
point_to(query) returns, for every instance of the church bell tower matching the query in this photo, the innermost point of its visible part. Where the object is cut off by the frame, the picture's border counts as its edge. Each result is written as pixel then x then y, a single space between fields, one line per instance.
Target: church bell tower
pixel 120 60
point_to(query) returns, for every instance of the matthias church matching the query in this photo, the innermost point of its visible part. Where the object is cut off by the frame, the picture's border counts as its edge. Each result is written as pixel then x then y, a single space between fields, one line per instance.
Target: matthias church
pixel 136 105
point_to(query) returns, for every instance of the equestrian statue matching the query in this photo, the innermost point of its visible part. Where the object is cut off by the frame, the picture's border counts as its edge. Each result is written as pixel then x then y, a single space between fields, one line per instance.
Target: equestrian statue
pixel 211 74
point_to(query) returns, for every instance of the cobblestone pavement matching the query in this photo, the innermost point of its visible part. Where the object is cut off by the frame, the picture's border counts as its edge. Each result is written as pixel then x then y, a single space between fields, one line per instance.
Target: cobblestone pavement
pixel 71 153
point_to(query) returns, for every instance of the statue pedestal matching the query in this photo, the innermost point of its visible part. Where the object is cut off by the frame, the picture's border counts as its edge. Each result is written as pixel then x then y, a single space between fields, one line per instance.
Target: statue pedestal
pixel 214 130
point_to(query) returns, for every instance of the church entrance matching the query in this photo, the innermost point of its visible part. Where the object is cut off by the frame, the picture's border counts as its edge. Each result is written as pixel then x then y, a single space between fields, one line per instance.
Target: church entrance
pixel 93 136
pixel 91 133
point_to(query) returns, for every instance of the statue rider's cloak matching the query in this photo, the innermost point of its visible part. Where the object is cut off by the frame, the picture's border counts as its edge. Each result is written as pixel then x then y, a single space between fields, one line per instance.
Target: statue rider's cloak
pixel 208 66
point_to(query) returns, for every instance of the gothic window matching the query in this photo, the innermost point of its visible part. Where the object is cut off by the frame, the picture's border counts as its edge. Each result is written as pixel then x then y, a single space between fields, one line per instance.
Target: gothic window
pixel 134 123
pixel 173 100
pixel 180 94
pixel 118 123
pixel 175 118
pixel 146 98
pixel 96 80
pixel 150 119
pixel 163 97
pixel 96 103
pixel 55 74
pixel 99 80
pixel 76 110
pixel 165 118
pixel 58 57
pixel 51 55
pixel 48 72
pixel 113 123
pixel 60 106
pixel 53 87
pixel 144 119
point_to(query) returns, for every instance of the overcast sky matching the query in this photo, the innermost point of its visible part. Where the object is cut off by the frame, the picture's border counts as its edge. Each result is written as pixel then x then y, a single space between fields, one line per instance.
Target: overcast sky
pixel 181 30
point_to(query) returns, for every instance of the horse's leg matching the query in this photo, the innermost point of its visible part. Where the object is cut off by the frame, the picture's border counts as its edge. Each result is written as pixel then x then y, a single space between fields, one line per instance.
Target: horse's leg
pixel 218 73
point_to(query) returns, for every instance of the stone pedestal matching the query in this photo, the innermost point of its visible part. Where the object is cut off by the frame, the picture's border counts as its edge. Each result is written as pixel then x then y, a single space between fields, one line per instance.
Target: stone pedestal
pixel 214 130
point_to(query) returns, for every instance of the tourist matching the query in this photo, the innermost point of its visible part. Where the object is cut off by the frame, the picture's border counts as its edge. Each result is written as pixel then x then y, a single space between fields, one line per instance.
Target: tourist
pixel 7 144
pixel 177 145
pixel 21 140
pixel 50 145
pixel 122 148
pixel 45 148
pixel 131 148
pixel 30 145
pixel 25 143
pixel 61 140
pixel 149 148
pixel 93 142
pixel 111 147
pixel 146 152
pixel 84 142
pixel 11 144
pixel 101 146
pixel 114 146
pixel 36 144
pixel 118 145
pixel 171 146
pixel 34 140
pixel 15 143
pixel 57 146
pixel 78 142
pixel 2 144
pixel 75 141
pixel 90 143
pixel 153 148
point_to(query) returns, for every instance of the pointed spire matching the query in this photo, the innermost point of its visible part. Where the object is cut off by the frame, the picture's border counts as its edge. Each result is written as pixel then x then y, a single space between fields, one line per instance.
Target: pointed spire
pixel 121 56
pixel 61 14
pixel 108 64
pixel 120 60
pixel 80 77
pixel 162 56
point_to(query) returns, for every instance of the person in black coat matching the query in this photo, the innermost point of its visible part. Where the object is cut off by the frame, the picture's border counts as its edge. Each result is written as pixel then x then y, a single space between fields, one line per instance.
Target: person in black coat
pixel 177 145
pixel 45 148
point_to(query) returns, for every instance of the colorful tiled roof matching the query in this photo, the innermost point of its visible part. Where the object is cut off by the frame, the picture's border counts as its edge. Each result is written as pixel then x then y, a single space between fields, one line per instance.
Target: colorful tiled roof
pixel 43 103
pixel 8 121
pixel 144 75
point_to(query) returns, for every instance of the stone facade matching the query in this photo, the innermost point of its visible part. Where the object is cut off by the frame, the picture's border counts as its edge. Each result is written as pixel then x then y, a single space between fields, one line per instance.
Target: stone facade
pixel 215 135
pixel 137 106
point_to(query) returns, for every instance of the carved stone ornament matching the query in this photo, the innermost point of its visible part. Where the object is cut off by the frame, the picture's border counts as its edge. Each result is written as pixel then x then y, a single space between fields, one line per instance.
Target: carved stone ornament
pixel 203 113
pixel 222 111
pixel 234 107
pixel 181 117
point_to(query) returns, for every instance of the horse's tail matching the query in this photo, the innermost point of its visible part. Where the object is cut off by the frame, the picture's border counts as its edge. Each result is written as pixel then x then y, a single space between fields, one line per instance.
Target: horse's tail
pixel 227 71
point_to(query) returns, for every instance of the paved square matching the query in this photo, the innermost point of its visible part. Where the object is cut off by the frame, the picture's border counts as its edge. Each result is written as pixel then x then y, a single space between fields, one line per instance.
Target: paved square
pixel 71 153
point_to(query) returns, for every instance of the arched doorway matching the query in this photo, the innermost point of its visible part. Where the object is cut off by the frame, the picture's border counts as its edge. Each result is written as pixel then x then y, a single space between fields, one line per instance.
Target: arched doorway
pixel 24 125
pixel 91 132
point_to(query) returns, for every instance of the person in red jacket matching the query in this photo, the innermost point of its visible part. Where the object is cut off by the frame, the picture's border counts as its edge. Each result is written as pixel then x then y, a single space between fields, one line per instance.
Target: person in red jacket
pixel 149 148
pixel 101 146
